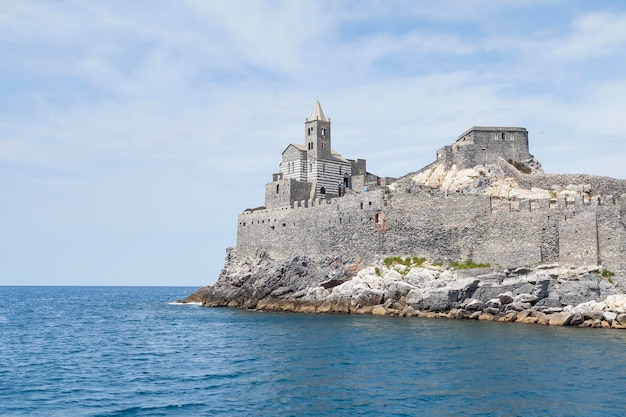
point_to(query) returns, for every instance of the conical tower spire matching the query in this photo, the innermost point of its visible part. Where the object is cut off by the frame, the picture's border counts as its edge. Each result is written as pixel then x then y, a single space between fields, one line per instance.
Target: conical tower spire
pixel 318 113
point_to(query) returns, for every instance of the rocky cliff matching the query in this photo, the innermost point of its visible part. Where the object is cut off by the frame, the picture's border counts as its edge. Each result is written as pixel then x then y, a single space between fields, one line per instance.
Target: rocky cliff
pixel 547 294
pixel 539 292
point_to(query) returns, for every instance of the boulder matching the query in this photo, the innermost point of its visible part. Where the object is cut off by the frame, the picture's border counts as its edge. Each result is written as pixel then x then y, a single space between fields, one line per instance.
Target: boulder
pixel 616 302
pixel 491 310
pixel 577 319
pixel 517 306
pixel 506 298
pixel 560 319
pixel 472 305
pixel 379 311
pixel 493 303
pixel 525 298
pixel 609 316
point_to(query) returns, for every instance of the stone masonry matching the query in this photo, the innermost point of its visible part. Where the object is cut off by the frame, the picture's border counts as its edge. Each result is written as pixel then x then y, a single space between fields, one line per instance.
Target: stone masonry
pixel 379 221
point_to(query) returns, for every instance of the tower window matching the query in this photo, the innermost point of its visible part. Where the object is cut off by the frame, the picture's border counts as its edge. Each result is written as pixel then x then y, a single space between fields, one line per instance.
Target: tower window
pixel 277 188
pixel 323 131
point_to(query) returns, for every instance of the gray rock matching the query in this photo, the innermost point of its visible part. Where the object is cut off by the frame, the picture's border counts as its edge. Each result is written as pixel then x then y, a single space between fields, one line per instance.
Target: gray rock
pixel 525 298
pixel 609 316
pixel 559 319
pixel 577 319
pixel 541 289
pixel 522 270
pixel 506 298
pixel 548 303
pixel 551 310
pixel 439 305
pixel 516 306
pixel 494 303
pixel 474 305
pixel 492 310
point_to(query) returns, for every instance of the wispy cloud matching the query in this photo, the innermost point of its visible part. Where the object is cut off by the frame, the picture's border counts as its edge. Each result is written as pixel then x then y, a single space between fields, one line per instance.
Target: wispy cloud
pixel 116 117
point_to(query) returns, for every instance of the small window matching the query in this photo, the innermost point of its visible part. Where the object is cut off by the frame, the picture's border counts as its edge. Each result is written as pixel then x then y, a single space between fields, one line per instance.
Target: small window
pixel 322 190
pixel 503 136
pixel 277 188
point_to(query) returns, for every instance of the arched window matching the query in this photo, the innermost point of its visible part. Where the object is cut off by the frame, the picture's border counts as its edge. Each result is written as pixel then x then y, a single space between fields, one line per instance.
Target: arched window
pixel 323 131
pixel 322 190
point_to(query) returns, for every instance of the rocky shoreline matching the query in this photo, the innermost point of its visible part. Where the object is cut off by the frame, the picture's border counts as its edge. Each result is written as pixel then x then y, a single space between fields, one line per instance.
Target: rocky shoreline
pixel 409 287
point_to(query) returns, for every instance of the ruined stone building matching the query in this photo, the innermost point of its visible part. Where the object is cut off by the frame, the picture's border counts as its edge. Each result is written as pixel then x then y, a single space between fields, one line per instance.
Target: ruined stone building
pixel 481 145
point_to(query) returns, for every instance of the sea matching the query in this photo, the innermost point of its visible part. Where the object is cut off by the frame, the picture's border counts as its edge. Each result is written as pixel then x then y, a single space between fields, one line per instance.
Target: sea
pixel 131 351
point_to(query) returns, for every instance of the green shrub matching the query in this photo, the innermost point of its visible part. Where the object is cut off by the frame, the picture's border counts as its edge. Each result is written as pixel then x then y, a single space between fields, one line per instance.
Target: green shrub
pixel 468 264
pixel 606 273
pixel 521 167
pixel 407 262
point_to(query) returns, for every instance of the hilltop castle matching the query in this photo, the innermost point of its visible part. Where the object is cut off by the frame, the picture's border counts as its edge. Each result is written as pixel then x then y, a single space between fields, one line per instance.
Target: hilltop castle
pixel 322 204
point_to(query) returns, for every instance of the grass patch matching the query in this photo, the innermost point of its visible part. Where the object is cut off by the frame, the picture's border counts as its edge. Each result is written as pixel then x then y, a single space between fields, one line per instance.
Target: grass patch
pixel 606 273
pixel 468 264
pixel 407 262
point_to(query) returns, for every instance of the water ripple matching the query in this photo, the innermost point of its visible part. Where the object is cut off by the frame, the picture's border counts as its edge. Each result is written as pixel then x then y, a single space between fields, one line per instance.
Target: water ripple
pixel 127 352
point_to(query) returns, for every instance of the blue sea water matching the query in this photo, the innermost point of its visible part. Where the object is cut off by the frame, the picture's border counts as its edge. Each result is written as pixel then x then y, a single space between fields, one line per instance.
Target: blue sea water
pixel 125 351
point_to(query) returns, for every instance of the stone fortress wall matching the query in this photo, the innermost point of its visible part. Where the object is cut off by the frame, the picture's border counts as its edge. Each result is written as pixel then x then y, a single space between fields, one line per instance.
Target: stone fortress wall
pixel 373 220
pixel 505 232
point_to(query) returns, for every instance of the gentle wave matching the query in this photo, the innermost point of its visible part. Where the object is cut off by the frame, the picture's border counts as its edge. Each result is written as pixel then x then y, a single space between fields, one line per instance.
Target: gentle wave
pixel 191 303
pixel 125 352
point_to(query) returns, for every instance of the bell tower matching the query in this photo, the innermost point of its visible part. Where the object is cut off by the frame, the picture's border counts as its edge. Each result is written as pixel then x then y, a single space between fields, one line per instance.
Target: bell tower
pixel 317 134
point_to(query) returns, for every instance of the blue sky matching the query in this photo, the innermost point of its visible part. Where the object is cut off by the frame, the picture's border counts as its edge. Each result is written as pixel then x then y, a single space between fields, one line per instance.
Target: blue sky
pixel 132 133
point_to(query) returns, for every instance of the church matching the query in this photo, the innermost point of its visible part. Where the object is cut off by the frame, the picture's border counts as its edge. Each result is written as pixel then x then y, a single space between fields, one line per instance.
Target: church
pixel 314 170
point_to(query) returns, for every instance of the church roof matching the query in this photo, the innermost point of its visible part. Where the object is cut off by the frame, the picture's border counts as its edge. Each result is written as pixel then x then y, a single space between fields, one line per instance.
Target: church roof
pixel 318 113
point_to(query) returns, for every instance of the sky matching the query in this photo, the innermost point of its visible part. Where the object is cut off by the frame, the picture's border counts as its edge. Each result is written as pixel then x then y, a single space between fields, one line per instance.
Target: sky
pixel 132 133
